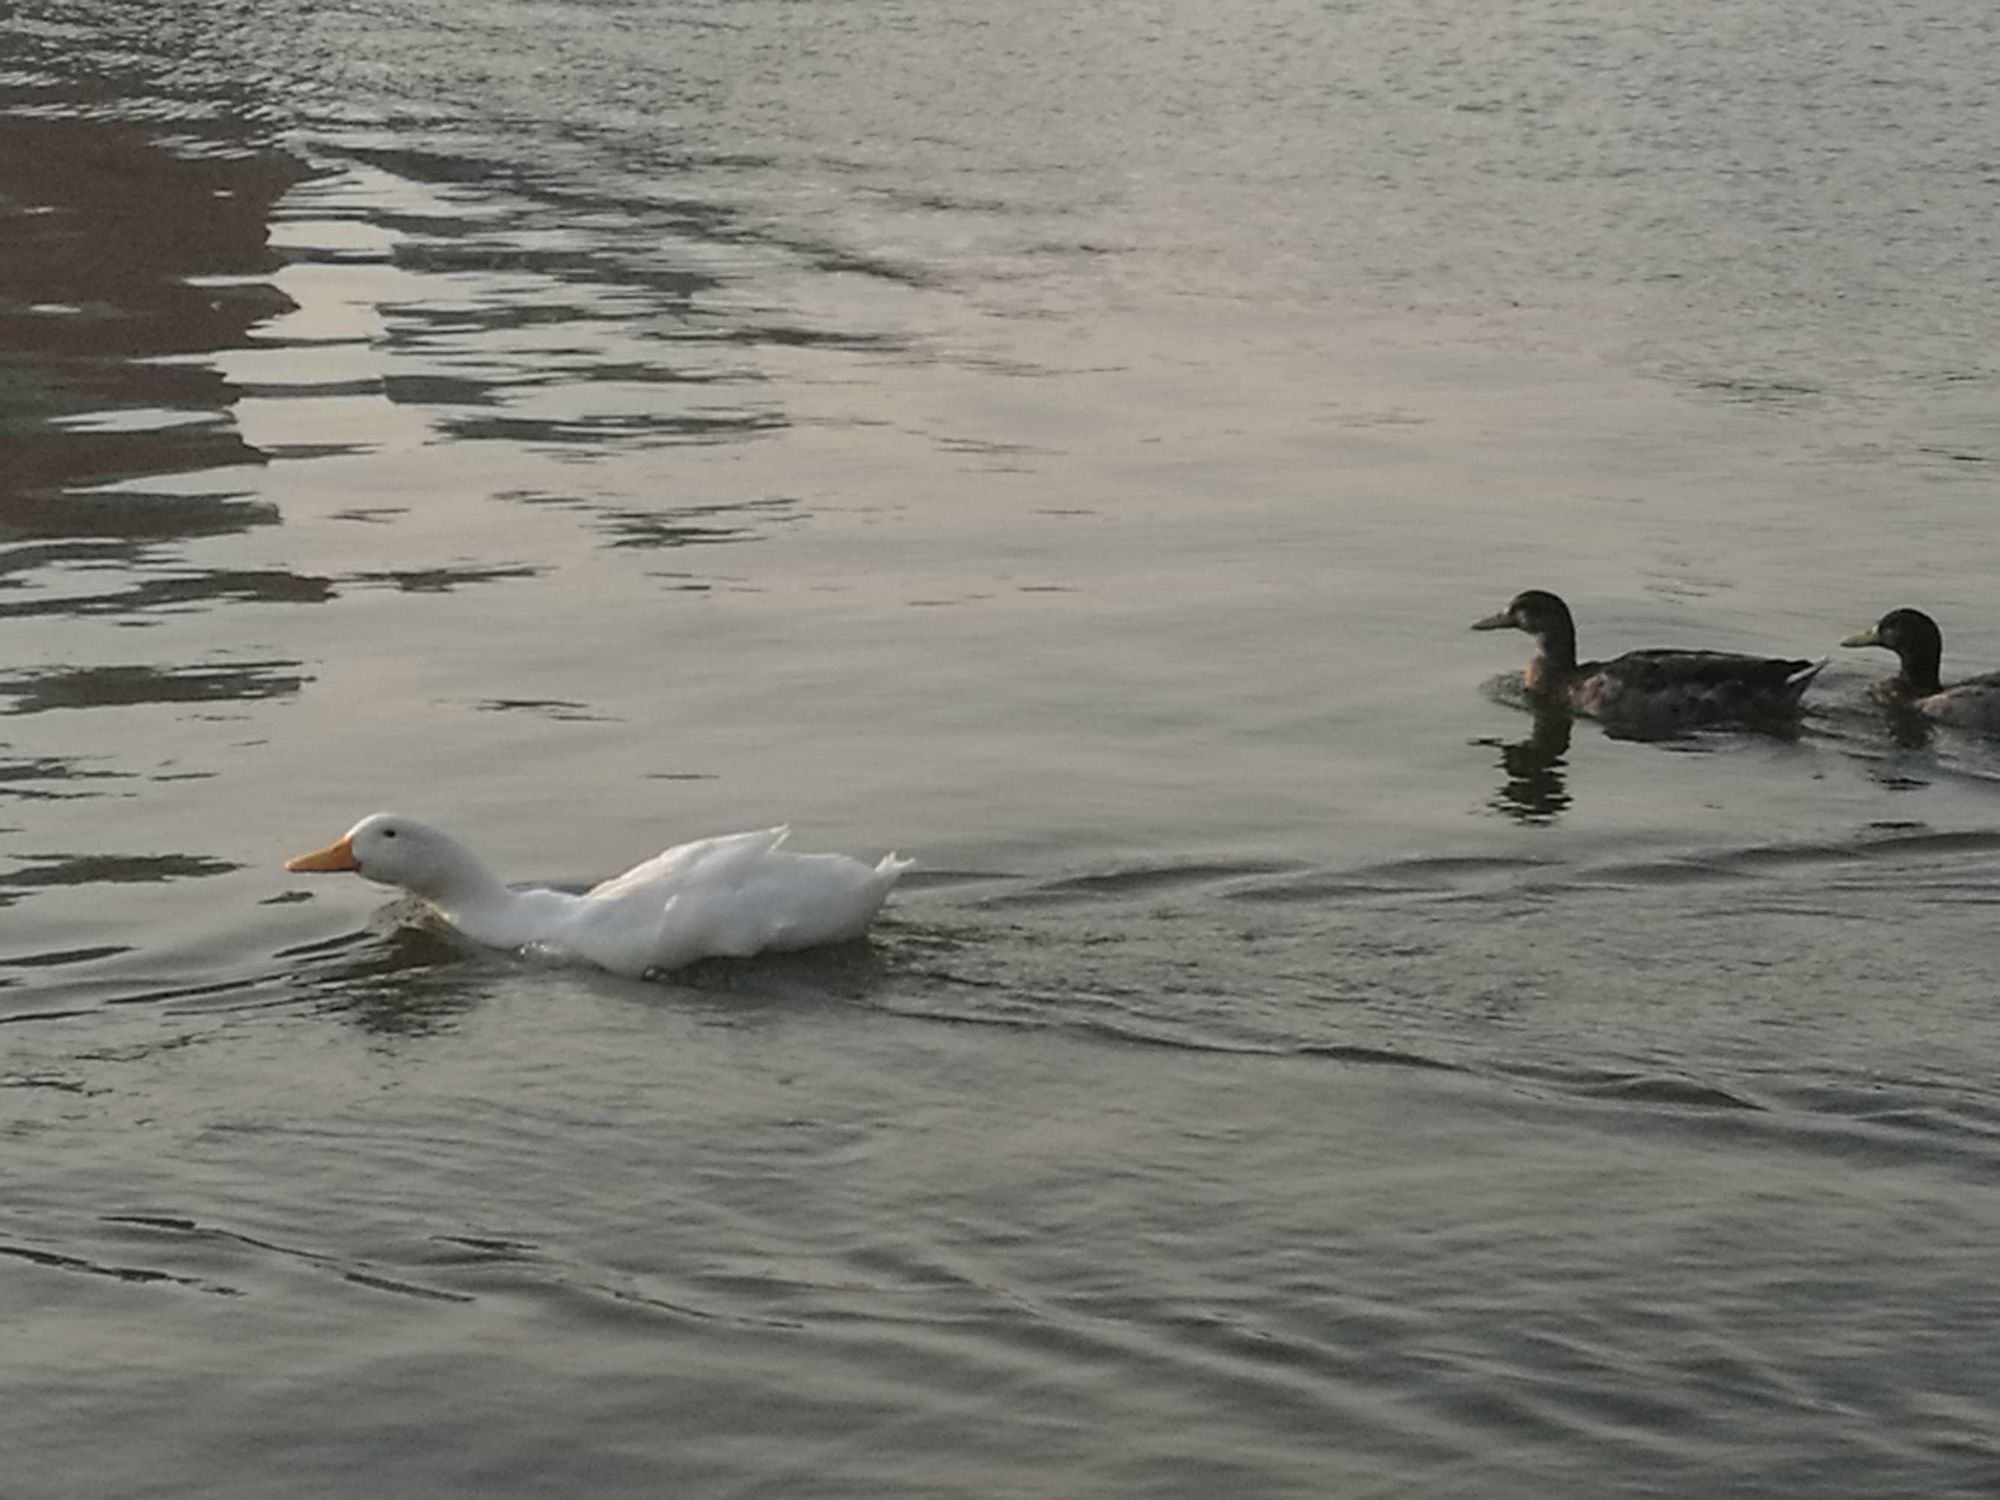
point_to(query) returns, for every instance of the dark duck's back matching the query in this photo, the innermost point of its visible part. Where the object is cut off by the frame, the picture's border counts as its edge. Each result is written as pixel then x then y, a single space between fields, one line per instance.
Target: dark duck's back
pixel 1663 689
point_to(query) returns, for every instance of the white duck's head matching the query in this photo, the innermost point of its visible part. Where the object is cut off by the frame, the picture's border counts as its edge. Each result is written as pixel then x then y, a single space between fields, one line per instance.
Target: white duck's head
pixel 394 850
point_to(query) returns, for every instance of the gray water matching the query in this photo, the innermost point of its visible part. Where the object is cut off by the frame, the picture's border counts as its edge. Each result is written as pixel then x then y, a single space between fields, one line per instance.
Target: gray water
pixel 1064 444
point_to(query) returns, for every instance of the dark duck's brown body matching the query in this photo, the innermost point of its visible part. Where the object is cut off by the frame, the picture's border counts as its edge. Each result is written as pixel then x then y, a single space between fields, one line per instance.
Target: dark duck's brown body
pixel 1919 647
pixel 1658 689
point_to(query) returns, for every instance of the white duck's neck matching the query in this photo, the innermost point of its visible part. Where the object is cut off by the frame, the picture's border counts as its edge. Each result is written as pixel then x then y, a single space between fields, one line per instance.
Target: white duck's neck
pixel 459 885
pixel 498 917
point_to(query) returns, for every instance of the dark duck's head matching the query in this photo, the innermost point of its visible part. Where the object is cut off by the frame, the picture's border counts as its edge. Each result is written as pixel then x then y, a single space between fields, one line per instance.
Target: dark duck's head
pixel 1542 615
pixel 1916 640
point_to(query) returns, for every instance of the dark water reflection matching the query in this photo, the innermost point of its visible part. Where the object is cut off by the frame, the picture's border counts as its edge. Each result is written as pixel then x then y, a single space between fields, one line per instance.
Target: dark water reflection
pixel 1909 730
pixel 124 513
pixel 119 256
pixel 113 869
pixel 125 686
pixel 1536 788
pixel 28 778
pixel 401 978
pixel 194 589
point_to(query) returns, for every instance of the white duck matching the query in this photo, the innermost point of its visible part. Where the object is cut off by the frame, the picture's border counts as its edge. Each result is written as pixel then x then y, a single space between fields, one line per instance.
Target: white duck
pixel 725 897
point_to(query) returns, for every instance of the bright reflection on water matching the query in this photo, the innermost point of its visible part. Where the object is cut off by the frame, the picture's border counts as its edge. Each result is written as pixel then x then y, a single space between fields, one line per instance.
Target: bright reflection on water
pixel 1064 445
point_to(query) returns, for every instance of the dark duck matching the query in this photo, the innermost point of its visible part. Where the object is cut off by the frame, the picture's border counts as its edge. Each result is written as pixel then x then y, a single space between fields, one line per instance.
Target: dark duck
pixel 1659 690
pixel 1919 646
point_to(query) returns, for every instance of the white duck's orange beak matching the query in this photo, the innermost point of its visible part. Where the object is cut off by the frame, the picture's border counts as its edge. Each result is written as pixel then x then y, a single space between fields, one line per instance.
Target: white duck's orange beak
pixel 338 855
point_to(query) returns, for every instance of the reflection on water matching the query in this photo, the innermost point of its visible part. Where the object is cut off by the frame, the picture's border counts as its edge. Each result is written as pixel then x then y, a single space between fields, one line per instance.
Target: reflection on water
pixel 115 869
pixel 33 515
pixel 1908 729
pixel 132 252
pixel 1662 727
pixel 25 779
pixel 404 976
pixel 442 580
pixel 1536 788
pixel 184 589
pixel 44 872
pixel 47 690
pixel 695 525
pixel 120 257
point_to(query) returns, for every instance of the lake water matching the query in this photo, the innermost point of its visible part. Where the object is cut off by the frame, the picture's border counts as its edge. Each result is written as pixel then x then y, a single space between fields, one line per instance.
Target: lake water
pixel 1066 445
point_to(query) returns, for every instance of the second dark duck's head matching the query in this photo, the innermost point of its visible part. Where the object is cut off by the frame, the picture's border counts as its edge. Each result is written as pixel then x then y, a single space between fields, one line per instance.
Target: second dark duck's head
pixel 1916 640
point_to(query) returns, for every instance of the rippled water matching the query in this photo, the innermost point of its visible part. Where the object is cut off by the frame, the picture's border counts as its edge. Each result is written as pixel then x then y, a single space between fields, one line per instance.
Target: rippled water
pixel 1066 446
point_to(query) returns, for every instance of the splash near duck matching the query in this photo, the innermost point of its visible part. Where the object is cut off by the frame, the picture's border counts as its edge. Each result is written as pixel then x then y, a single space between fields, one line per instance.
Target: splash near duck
pixel 1917 688
pixel 727 897
pixel 1658 690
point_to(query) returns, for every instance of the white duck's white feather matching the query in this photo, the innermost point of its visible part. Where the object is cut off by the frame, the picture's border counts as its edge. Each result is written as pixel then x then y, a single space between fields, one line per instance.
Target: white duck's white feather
pixel 725 897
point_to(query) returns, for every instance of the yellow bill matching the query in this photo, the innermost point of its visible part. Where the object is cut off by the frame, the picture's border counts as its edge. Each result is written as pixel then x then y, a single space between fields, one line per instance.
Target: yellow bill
pixel 338 855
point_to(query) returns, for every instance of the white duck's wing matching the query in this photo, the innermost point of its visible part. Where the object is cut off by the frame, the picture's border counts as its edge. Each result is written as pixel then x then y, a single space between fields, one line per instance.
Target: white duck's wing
pixel 719 859
pixel 728 897
pixel 802 900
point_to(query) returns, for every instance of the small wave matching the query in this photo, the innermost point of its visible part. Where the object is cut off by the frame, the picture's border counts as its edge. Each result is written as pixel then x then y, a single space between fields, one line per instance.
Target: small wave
pixel 140 1275
pixel 1649 1088
pixel 43 1015
pixel 60 957
pixel 1686 867
pixel 404 1288
pixel 1430 871
pixel 489 1247
pixel 181 1227
pixel 1141 880
pixel 1381 1056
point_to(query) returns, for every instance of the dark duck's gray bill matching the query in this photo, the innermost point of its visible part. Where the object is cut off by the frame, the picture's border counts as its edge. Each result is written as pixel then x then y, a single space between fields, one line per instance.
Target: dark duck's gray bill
pixel 1501 621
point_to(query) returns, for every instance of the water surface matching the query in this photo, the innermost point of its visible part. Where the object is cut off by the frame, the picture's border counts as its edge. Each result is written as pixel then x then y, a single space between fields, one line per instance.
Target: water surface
pixel 1067 448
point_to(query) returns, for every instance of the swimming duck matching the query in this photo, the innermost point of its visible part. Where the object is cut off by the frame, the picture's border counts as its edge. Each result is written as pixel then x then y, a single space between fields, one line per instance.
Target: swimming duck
pixel 1919 646
pixel 1658 688
pixel 722 897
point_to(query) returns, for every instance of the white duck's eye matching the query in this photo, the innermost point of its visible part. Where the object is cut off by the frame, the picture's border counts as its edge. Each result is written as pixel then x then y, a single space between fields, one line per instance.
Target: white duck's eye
pixel 388 833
